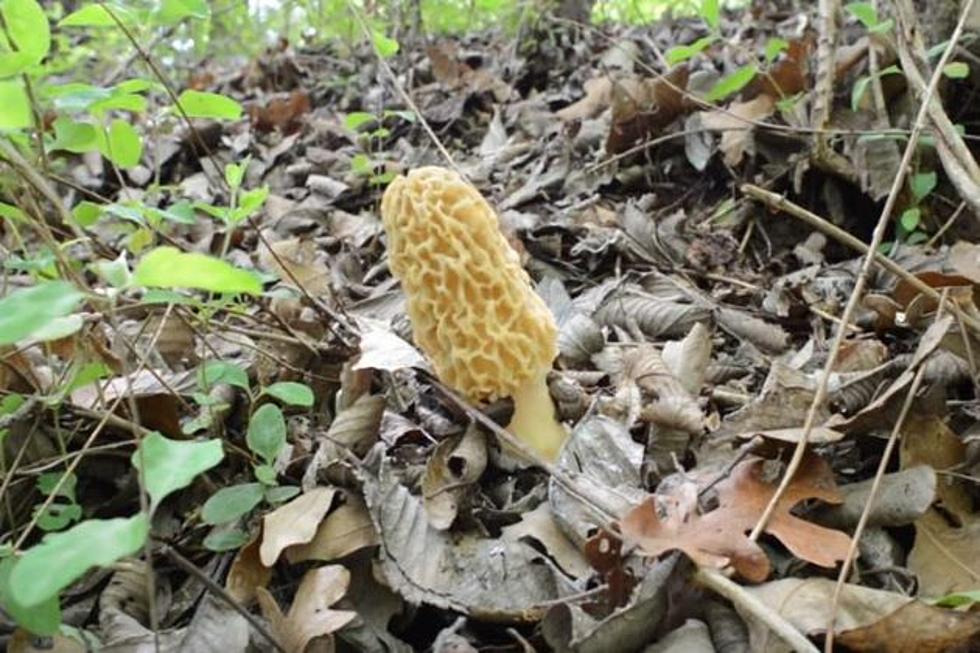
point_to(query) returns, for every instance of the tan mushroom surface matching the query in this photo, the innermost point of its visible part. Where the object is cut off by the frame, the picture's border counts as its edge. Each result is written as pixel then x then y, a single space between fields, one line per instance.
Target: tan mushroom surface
pixel 473 310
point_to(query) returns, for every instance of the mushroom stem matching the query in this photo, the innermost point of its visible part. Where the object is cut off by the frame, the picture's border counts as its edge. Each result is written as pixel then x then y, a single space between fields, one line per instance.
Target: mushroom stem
pixel 534 421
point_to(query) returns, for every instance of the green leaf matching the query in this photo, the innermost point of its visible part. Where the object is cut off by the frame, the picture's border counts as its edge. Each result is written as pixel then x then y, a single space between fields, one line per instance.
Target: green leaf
pixel 92 15
pixel 710 13
pixel 266 474
pixel 169 465
pixel 774 46
pixel 62 558
pixel 958 599
pixel 213 373
pixel 922 184
pixel 173 11
pixel 680 53
pixel 883 26
pixel 26 311
pixel 864 12
pixel 15 106
pixel 250 202
pixel 910 219
pixel 122 144
pixel 220 540
pixel 86 213
pixel 42 619
pixel 291 393
pixel 361 165
pixel 281 493
pixel 74 136
pixel 198 104
pixel 266 434
pixel 956 70
pixel 858 91
pixel 353 121
pixel 386 47
pixel 230 503
pixel 12 213
pixel 168 267
pixel 28 28
pixel 235 173
pixel 57 515
pixel 732 84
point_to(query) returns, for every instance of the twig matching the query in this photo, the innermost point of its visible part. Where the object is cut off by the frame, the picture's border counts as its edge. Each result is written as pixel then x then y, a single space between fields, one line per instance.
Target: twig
pixel 820 395
pixel 723 586
pixel 779 202
pixel 866 513
pixel 221 593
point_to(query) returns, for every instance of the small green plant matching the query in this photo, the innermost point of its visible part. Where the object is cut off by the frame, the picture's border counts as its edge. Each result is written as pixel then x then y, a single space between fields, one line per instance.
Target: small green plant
pixel 265 438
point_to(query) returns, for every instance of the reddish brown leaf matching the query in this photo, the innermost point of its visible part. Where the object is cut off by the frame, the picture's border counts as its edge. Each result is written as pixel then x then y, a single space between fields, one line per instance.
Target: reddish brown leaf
pixel 718 538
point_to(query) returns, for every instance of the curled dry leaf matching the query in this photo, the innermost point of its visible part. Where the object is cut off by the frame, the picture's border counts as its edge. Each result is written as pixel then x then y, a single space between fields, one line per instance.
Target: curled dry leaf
pixel 452 469
pixel 669 403
pixel 688 359
pixel 718 538
pixel 293 523
pixel 485 578
pixel 917 628
pixel 310 616
pixel 653 316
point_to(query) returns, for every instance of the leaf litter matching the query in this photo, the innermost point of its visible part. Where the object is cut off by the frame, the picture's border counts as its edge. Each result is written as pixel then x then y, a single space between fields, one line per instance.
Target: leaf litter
pixel 693 325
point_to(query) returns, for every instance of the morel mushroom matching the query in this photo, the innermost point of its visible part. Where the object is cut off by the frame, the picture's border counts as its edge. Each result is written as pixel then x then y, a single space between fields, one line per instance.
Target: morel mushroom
pixel 472 307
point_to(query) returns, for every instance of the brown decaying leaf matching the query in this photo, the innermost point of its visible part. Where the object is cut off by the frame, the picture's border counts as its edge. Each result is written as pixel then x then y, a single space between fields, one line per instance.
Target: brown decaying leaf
pixel 641 110
pixel 945 556
pixel 348 528
pixel 294 523
pixel 247 573
pixel 281 113
pixel 688 359
pixel 310 616
pixel 669 403
pixel 718 538
pixel 917 628
pixel 736 139
pixel 452 469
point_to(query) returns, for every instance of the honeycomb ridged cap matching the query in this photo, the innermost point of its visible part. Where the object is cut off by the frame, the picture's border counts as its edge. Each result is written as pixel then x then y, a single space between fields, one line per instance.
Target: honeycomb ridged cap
pixel 473 310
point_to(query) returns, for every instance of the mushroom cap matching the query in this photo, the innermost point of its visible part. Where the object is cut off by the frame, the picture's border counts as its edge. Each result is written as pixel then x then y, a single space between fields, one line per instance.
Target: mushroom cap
pixel 472 307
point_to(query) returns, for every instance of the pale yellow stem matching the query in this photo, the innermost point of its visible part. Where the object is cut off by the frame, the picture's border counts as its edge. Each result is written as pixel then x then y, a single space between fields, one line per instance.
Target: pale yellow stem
pixel 534 421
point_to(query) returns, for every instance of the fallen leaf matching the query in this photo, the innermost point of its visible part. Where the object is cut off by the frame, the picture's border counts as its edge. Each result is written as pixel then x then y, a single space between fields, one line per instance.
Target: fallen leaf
pixel 310 616
pixel 452 469
pixel 736 132
pixel 294 523
pixel 348 528
pixel 718 538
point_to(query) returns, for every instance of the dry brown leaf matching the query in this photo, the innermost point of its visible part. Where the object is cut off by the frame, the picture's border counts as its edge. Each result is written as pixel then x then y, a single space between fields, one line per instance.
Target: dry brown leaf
pixel 540 525
pixel 247 573
pixel 310 617
pixel 688 359
pixel 917 628
pixel 805 603
pixel 718 538
pixel 945 556
pixel 294 523
pixel 598 95
pixel 452 469
pixel 24 642
pixel 282 113
pixel 964 258
pixel 669 403
pixel 347 529
pixel 736 137
pixel 642 110
pixel 297 261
